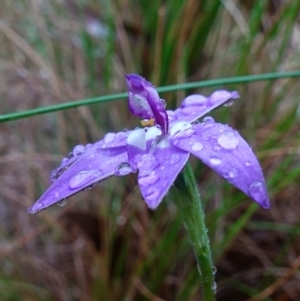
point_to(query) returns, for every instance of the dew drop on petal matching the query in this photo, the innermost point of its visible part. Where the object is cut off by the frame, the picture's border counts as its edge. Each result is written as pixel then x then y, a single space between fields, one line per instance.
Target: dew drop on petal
pixel 247 163
pixel 109 137
pixel 208 119
pixel 229 103
pixel 149 179
pixel 79 149
pixel 215 161
pixel 84 177
pixel 70 155
pixel 123 169
pixel 62 203
pixel 174 159
pixel 182 129
pixel 232 173
pixel 38 205
pixel 120 136
pixel 148 162
pixel 163 102
pixel 256 190
pixel 197 146
pixel 216 147
pixel 194 100
pixel 228 140
pixel 189 111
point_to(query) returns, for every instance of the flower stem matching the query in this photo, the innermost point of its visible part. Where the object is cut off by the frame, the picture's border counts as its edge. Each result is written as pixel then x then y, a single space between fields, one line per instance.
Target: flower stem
pixel 187 198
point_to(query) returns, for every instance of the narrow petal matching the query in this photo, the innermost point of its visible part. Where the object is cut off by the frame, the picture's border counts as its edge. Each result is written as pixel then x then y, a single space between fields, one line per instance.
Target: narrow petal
pixel 91 168
pixel 195 106
pixel 158 170
pixel 226 152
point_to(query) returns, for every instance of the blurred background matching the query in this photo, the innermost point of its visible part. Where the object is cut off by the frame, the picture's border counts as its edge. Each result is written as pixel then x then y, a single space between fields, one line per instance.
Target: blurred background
pixel 105 244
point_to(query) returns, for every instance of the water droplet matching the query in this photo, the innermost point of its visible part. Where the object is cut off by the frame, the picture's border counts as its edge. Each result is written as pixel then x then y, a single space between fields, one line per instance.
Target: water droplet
pixel 148 162
pixel 148 179
pixel 56 195
pixel 214 270
pixel 125 130
pixel 194 100
pixel 232 173
pixel 216 147
pixel 247 163
pixel 123 169
pixel 79 149
pixel 37 206
pixel 208 119
pixel 215 161
pixel 70 155
pixel 109 137
pixel 181 130
pixel 83 178
pixel 214 286
pixel 220 96
pixel 229 103
pixel 120 136
pixel 89 146
pixel 62 203
pixel 163 102
pixel 197 146
pixel 189 111
pixel 256 190
pixel 228 140
pixel 174 159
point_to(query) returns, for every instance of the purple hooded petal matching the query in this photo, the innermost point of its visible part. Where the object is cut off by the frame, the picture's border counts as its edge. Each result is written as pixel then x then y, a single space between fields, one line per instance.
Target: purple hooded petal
pixel 91 168
pixel 195 106
pixel 226 152
pixel 158 170
pixel 145 102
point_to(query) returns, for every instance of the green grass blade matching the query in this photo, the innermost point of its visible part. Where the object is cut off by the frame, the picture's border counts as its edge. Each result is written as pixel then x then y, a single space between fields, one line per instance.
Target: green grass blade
pixel 94 100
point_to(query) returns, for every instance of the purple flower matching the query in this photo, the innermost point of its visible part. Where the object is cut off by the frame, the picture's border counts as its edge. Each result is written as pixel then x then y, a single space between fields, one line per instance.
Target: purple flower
pixel 160 151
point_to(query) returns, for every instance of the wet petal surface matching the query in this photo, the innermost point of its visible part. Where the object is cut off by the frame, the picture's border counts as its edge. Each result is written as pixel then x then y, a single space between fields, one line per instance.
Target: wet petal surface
pixel 226 152
pixel 158 170
pixel 91 168
pixel 195 106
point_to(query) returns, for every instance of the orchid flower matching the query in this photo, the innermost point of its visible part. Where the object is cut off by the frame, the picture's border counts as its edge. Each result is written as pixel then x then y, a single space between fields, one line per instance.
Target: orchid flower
pixel 160 150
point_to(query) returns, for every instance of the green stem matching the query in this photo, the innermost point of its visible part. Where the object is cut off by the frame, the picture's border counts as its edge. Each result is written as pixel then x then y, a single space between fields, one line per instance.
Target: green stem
pixel 188 200
pixel 94 100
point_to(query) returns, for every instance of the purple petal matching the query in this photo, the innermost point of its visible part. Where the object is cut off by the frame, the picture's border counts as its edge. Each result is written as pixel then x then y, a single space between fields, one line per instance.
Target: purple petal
pixel 91 168
pixel 195 106
pixel 226 152
pixel 158 170
pixel 145 102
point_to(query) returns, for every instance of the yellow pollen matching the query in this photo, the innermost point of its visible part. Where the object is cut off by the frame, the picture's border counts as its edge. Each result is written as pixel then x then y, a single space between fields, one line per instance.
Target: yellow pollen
pixel 149 122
